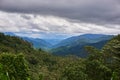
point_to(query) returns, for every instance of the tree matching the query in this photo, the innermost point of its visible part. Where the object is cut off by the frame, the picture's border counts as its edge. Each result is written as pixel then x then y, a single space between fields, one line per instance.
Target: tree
pixel 112 49
pixel 95 65
pixel 14 66
pixel 75 71
pixel 3 76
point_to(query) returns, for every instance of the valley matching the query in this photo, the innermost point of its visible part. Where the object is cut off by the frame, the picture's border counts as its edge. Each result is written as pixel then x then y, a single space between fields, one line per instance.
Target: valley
pixel 70 46
pixel 17 54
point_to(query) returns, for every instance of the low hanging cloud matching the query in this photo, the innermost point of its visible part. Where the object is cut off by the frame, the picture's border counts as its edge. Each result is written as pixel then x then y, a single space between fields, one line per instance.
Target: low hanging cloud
pixel 35 24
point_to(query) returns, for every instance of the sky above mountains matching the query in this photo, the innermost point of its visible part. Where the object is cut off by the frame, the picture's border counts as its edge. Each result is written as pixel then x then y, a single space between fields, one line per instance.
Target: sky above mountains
pixel 59 17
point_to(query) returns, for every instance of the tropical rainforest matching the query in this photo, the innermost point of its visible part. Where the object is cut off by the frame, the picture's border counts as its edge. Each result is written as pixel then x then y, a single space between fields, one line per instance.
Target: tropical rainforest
pixel 19 60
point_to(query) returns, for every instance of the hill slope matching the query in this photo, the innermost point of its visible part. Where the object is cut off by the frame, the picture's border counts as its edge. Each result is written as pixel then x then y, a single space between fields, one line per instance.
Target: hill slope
pixel 14 44
pixel 38 43
pixel 77 50
pixel 83 39
pixel 42 65
pixel 75 45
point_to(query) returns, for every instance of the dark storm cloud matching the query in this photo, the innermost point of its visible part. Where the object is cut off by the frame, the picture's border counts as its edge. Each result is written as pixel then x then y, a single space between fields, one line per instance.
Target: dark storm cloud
pixel 89 11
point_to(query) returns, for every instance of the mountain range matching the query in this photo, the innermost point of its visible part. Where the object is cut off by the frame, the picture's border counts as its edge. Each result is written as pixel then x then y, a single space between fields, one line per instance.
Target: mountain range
pixel 44 44
pixel 75 45
pixel 70 46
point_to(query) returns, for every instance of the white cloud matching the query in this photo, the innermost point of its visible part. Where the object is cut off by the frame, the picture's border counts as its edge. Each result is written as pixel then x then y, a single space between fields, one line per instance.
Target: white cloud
pixel 19 22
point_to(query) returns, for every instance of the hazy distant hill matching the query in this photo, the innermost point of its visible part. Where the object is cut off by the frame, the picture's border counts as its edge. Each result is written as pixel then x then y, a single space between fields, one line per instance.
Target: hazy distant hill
pixel 9 33
pixel 83 39
pixel 75 45
pixel 53 41
pixel 38 43
pixel 77 50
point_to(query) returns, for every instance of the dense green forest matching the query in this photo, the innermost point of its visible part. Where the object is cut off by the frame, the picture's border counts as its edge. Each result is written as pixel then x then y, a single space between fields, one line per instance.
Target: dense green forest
pixel 20 61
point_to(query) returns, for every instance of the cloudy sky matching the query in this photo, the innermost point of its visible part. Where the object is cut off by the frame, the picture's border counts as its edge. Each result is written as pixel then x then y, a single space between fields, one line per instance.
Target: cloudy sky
pixel 53 18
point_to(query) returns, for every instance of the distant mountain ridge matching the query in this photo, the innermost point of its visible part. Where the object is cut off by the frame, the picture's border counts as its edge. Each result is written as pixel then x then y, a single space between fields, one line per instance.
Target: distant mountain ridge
pixel 9 33
pixel 14 44
pixel 78 50
pixel 75 45
pixel 53 41
pixel 83 39
pixel 38 43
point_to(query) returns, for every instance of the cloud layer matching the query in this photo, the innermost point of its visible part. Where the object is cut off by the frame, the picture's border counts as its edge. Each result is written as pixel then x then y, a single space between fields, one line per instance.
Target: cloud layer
pixel 30 23
pixel 60 17
pixel 89 11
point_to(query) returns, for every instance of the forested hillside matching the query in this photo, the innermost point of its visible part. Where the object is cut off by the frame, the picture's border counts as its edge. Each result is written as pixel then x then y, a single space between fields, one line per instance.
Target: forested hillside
pixel 75 45
pixel 20 61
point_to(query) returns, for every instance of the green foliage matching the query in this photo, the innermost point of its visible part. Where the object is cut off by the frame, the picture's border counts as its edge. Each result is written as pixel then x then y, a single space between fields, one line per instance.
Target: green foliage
pixel 14 67
pixel 112 50
pixel 14 44
pixel 99 65
pixel 104 64
pixel 3 76
pixel 75 71
pixel 40 77
pixel 97 71
pixel 95 67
